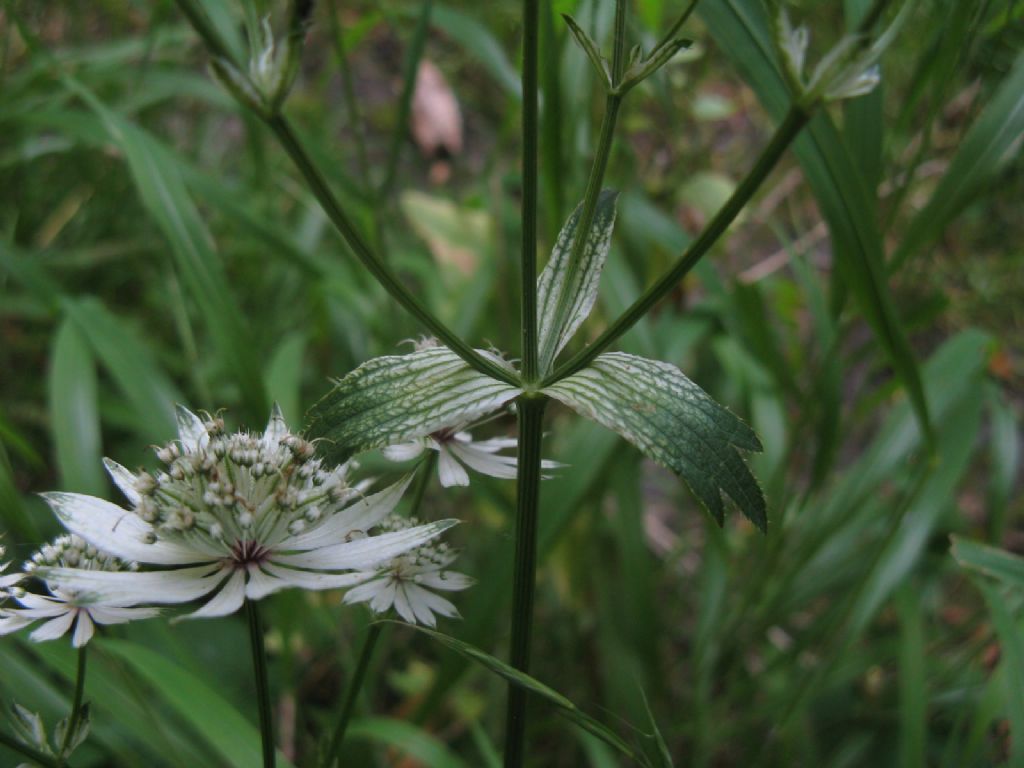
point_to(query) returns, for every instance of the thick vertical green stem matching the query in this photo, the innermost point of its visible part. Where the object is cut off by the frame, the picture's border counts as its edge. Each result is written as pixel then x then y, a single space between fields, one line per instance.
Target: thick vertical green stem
pixel 789 129
pixel 355 685
pixel 76 706
pixel 531 39
pixel 531 417
pixel 259 666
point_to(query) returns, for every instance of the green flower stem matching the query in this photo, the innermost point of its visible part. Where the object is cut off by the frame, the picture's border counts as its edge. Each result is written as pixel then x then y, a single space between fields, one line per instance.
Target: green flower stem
pixel 669 36
pixel 374 631
pixel 76 706
pixel 531 44
pixel 355 685
pixel 594 182
pixel 318 185
pixel 259 664
pixel 531 417
pixel 796 118
pixel 331 206
pixel 348 89
pixel 32 754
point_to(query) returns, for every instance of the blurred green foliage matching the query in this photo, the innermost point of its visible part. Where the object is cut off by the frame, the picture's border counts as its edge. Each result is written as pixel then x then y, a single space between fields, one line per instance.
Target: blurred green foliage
pixel 156 247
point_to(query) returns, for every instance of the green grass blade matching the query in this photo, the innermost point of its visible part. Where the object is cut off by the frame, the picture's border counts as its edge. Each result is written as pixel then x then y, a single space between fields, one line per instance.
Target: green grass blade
pixel 742 30
pixel 74 412
pixel 478 41
pixel 406 739
pixel 233 737
pixel 990 561
pixel 990 144
pixel 912 679
pixel 1011 647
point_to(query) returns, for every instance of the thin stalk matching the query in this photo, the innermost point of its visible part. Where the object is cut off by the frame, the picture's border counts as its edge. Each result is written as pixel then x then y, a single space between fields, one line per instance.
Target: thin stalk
pixel 32 754
pixel 674 29
pixel 531 417
pixel 597 170
pixel 390 282
pixel 259 665
pixel 332 207
pixel 412 64
pixel 787 131
pixel 354 686
pixel 374 631
pixel 531 44
pixel 76 706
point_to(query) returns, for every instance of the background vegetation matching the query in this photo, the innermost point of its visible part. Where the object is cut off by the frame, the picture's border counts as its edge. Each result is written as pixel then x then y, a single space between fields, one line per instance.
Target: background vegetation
pixel 156 247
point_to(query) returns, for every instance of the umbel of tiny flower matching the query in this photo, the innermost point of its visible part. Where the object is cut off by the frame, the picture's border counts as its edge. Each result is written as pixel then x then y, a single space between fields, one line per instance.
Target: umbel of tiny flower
pixel 64 608
pixel 406 581
pixel 233 517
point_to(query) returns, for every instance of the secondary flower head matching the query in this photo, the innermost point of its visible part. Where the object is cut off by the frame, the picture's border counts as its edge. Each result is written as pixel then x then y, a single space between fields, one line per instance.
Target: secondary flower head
pixel 238 516
pixel 63 607
pixel 456 447
pixel 405 581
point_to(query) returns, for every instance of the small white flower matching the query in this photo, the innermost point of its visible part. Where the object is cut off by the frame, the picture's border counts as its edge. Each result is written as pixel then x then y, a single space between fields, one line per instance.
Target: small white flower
pixel 237 517
pixel 456 448
pixel 64 608
pixel 405 581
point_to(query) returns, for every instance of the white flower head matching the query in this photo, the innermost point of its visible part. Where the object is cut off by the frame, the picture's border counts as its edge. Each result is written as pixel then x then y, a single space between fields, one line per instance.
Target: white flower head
pixel 65 608
pixel 406 581
pixel 457 449
pixel 235 516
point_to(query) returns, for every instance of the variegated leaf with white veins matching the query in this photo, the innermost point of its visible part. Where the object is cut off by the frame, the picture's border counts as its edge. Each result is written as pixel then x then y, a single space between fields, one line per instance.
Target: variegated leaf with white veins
pixel 566 292
pixel 673 421
pixel 393 399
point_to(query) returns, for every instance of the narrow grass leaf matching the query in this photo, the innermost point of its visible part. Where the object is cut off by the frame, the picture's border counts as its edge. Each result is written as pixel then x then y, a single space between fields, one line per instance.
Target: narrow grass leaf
pixel 406 739
pixel 233 737
pixel 912 679
pixel 1011 647
pixel 128 360
pixel 742 30
pixel 990 561
pixel 566 291
pixel 283 376
pixel 163 193
pixel 672 421
pixel 992 142
pixel 74 412
pixel 480 43
pixel 390 399
pixel 564 706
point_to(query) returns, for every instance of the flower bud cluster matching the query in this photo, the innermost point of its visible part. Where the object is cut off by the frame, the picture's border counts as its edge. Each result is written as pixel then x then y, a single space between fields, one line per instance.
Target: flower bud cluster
pixel 71 551
pixel 228 488
pixel 433 556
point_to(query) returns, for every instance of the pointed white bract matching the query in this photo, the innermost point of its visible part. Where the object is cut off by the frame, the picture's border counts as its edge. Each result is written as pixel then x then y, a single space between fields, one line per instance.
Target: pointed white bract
pixel 10 579
pixel 65 608
pixel 232 517
pixel 457 450
pixel 407 582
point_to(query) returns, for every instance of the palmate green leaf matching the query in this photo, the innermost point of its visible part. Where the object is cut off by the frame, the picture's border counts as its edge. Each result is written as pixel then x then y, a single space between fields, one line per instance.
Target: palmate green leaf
pixel 564 706
pixel 566 292
pixel 991 561
pixel 673 421
pixel 391 399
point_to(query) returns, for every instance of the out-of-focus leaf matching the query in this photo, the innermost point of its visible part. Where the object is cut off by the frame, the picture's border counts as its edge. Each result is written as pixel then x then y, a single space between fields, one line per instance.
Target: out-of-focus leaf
pixel 284 376
pixel 1011 647
pixel 990 561
pixel 130 364
pixel 992 142
pixel 234 738
pixel 563 705
pixel 742 30
pixel 453 234
pixel 673 421
pixel 74 412
pixel 390 399
pixel 478 41
pixel 406 739
pixel 912 678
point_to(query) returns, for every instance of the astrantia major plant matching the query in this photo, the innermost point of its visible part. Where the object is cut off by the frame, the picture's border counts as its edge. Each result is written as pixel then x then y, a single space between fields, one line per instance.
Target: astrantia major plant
pixel 232 518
